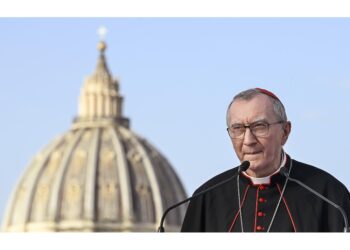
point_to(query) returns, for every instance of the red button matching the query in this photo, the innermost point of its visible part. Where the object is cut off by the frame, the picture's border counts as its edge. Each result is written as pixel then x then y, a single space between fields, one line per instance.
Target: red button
pixel 261 214
pixel 262 200
pixel 260 228
pixel 261 187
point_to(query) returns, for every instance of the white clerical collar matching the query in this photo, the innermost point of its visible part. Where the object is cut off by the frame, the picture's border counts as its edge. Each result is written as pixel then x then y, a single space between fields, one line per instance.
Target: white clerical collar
pixel 266 180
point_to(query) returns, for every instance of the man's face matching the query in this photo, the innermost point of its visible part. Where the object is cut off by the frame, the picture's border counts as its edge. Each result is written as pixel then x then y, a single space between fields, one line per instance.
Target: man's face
pixel 263 153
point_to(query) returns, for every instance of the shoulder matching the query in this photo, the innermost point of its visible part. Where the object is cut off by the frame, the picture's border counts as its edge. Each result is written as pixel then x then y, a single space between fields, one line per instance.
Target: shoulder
pixel 217 179
pixel 316 177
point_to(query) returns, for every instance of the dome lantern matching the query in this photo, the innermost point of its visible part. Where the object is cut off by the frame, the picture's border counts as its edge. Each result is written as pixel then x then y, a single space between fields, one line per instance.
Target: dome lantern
pixel 100 99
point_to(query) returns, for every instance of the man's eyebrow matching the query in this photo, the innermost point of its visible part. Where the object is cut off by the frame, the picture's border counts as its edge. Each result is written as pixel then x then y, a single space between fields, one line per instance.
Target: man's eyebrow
pixel 258 120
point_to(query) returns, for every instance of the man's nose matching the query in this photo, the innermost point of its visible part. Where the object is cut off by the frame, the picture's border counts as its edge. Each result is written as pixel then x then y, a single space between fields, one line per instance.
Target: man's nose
pixel 249 138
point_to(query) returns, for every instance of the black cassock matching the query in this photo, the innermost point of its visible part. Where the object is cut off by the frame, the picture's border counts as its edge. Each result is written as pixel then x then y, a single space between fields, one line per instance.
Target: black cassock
pixel 299 209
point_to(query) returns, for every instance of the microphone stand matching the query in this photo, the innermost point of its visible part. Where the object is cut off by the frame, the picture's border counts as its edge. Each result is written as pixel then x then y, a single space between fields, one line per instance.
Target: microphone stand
pixel 346 228
pixel 243 167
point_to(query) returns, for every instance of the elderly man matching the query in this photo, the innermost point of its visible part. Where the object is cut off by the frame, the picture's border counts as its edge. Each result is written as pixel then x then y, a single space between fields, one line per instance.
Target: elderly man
pixel 262 199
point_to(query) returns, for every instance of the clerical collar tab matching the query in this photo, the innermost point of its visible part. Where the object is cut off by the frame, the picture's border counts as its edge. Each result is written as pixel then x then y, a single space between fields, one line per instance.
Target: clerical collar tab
pixel 266 180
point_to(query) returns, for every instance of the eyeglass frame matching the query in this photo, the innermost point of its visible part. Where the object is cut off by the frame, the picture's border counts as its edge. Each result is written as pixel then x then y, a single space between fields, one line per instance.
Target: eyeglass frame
pixel 250 128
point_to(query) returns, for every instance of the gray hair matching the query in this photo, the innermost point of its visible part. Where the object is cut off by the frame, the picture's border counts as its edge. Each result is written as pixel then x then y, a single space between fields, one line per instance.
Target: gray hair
pixel 247 95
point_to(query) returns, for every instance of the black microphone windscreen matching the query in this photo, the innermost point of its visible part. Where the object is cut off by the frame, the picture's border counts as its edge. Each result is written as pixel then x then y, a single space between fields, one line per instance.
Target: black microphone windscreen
pixel 244 166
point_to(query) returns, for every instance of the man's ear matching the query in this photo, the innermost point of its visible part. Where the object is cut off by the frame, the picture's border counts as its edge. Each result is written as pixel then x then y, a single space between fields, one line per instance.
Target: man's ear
pixel 287 127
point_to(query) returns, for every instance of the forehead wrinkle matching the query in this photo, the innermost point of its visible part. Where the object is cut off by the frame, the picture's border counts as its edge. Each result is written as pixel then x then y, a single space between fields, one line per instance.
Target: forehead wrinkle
pixel 261 111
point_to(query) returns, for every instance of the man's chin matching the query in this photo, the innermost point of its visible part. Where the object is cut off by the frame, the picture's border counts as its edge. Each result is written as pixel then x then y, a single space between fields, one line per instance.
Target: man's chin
pixel 255 170
pixel 255 165
pixel 252 158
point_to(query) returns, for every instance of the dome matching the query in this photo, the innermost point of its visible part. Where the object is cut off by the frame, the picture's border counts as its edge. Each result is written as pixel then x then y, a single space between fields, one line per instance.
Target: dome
pixel 99 175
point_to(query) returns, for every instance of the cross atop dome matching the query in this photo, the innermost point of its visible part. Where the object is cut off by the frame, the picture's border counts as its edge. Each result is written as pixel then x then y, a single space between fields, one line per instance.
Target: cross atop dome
pixel 102 32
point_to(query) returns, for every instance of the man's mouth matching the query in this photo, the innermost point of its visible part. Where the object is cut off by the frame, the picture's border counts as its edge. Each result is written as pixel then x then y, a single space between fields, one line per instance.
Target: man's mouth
pixel 252 153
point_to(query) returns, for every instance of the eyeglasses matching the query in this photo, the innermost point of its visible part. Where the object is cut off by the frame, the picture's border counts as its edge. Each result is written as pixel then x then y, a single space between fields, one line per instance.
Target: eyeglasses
pixel 258 129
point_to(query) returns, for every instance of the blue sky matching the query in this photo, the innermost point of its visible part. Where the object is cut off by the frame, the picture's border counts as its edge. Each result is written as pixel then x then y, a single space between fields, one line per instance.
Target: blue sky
pixel 177 76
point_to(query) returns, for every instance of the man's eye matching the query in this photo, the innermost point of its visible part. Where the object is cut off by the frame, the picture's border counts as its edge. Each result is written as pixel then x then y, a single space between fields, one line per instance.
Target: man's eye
pixel 237 127
pixel 259 125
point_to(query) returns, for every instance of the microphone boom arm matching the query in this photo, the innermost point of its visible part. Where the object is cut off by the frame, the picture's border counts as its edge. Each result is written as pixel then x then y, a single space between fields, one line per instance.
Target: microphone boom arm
pixel 323 198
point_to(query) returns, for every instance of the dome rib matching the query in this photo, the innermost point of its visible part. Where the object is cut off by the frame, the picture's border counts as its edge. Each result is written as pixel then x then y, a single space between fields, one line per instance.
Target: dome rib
pixel 35 171
pixel 57 186
pixel 177 193
pixel 154 185
pixel 91 172
pixel 124 179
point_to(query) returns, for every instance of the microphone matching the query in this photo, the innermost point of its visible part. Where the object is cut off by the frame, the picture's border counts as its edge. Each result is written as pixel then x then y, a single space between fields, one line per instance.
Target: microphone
pixel 241 168
pixel 285 173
